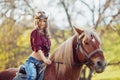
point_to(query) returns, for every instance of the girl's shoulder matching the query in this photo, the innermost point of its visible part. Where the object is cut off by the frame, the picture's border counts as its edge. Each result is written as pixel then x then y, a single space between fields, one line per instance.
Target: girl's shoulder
pixel 34 31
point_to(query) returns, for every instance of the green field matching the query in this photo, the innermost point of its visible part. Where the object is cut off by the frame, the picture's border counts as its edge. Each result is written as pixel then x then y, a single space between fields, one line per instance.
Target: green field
pixel 111 73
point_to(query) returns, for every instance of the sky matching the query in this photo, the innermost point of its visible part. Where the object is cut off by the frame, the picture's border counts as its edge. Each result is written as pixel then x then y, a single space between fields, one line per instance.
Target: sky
pixel 56 13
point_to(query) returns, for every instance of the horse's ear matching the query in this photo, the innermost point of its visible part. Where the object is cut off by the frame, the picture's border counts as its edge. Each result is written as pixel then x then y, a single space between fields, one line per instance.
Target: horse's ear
pixel 77 30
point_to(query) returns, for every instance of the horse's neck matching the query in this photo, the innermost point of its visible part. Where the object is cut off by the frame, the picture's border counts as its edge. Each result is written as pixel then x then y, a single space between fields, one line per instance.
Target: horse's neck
pixel 51 73
pixel 74 73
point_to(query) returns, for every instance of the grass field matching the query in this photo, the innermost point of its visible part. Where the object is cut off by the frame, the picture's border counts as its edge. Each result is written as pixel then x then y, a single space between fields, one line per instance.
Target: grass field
pixel 109 74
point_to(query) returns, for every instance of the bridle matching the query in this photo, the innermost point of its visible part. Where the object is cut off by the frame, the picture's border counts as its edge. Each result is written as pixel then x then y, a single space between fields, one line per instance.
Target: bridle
pixel 84 53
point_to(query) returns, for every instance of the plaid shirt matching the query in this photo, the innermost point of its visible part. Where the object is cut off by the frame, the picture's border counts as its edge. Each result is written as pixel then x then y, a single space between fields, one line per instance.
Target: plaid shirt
pixel 39 42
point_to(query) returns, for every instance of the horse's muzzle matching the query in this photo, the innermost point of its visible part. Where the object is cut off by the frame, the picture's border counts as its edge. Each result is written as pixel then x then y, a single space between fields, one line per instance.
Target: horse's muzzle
pixel 100 66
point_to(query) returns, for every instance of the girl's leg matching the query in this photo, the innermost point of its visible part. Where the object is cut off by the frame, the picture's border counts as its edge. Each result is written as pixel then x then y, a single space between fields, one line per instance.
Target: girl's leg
pixel 30 70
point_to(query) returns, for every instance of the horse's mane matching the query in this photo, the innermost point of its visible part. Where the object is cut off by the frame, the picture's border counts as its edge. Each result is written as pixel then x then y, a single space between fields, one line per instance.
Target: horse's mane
pixel 64 53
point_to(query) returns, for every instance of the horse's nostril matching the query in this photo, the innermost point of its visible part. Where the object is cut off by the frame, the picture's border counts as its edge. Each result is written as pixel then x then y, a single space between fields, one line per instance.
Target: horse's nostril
pixel 99 63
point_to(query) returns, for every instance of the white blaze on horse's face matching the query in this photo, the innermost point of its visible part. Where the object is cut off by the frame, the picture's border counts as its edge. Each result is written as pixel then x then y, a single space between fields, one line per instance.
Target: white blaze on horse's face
pixel 93 40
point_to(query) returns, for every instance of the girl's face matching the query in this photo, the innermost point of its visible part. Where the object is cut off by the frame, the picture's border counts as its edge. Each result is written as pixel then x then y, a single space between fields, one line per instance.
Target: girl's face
pixel 41 23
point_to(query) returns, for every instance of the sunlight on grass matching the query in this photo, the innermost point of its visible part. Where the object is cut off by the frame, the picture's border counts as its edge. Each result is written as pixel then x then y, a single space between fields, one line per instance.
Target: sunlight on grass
pixel 111 73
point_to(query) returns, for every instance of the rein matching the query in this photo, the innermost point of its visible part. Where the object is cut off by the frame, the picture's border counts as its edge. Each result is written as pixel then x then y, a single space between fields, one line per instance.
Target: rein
pixel 75 64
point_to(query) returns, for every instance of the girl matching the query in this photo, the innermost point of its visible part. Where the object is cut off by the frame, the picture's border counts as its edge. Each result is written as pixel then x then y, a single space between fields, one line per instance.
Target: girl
pixel 40 44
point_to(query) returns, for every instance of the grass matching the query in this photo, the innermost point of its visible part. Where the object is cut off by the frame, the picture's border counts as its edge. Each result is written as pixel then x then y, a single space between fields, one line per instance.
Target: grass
pixel 111 73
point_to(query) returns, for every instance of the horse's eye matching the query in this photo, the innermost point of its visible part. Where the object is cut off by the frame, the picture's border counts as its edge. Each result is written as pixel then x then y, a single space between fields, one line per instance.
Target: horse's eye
pixel 86 43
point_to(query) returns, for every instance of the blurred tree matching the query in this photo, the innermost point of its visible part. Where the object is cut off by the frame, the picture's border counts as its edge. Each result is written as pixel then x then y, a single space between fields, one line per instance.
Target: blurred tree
pixel 10 51
pixel 18 10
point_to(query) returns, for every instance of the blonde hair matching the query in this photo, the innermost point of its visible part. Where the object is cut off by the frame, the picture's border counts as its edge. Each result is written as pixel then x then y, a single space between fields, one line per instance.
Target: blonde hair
pixel 64 53
pixel 41 15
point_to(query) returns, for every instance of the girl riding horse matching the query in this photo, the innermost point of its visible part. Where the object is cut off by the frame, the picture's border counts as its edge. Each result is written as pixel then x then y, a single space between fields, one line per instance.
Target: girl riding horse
pixel 40 44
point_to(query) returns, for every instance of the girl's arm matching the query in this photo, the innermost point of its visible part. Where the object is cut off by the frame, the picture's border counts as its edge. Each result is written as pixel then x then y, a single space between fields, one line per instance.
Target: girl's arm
pixel 45 60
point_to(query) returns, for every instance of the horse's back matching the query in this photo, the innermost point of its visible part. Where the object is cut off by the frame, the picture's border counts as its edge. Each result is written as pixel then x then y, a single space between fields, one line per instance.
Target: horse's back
pixel 8 74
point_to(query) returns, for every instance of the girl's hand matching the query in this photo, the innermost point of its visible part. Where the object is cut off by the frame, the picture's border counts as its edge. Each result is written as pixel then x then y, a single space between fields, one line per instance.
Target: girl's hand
pixel 47 61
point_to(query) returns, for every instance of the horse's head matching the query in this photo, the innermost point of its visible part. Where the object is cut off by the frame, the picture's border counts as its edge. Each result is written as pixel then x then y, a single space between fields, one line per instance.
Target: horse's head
pixel 88 50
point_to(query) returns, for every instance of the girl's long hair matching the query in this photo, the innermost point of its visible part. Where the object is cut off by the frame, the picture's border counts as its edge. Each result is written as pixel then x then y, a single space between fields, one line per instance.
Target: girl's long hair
pixel 45 30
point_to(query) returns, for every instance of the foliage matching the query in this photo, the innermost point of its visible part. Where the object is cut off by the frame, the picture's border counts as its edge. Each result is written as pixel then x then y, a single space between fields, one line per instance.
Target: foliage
pixel 14 44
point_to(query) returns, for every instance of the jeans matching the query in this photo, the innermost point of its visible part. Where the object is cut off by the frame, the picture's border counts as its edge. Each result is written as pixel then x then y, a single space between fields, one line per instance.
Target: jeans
pixel 30 67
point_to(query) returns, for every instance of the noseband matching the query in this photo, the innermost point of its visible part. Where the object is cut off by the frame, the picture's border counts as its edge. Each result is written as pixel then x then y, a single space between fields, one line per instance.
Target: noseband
pixel 88 56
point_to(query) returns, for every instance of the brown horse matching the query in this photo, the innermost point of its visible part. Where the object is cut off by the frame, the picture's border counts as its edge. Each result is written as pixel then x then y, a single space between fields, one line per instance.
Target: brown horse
pixel 68 59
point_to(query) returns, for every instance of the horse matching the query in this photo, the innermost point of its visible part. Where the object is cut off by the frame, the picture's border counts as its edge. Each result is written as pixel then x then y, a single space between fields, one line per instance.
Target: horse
pixel 83 48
